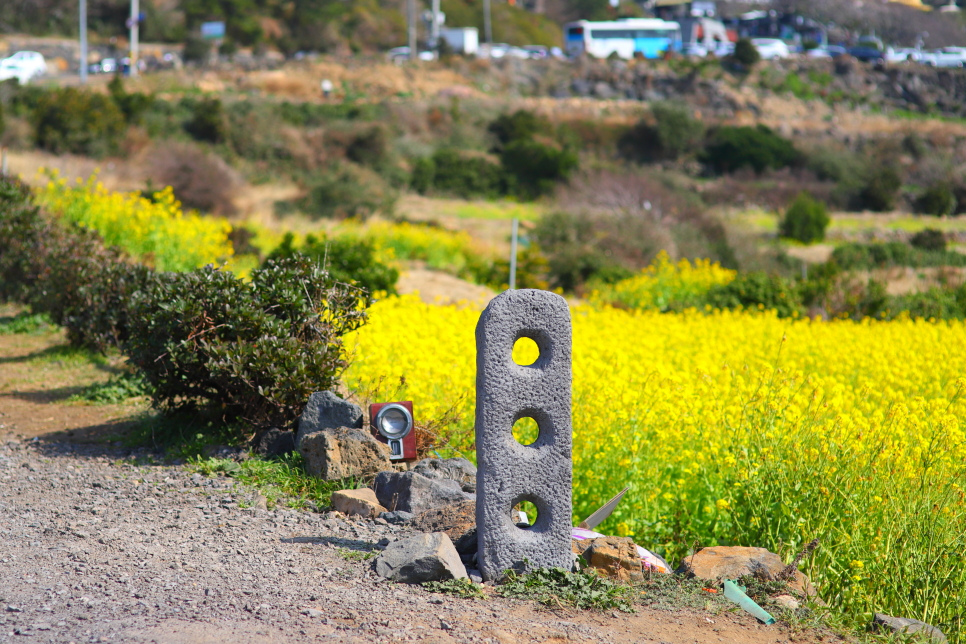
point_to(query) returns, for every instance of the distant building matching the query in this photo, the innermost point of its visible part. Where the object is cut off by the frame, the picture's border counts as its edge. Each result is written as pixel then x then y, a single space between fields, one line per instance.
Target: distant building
pixel 698 19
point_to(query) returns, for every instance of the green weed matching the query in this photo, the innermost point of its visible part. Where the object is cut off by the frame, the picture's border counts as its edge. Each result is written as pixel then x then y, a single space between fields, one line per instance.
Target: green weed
pixel 26 323
pixel 556 587
pixel 65 355
pixel 356 555
pixel 460 587
pixel 281 480
pixel 116 390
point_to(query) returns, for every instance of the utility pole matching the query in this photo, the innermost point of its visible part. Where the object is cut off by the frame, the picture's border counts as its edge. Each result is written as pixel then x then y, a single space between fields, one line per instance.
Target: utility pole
pixel 434 32
pixel 513 254
pixel 83 42
pixel 411 15
pixel 487 27
pixel 135 27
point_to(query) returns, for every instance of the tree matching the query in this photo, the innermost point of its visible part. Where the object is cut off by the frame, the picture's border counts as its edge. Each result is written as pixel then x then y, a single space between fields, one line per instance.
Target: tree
pixel 805 220
pixel 746 53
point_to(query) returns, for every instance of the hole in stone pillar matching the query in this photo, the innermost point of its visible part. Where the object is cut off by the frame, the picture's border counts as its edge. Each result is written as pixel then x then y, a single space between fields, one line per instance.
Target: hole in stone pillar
pixel 524 512
pixel 526 430
pixel 525 352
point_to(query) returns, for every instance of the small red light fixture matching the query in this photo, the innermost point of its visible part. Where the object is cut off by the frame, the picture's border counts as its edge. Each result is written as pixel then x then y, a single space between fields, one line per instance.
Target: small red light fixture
pixel 392 423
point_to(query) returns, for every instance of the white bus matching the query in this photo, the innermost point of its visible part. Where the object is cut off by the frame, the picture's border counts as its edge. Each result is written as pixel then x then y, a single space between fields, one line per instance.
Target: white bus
pixel 626 37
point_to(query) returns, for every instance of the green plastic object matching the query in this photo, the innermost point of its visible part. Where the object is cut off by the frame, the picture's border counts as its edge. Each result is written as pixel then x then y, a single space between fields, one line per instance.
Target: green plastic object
pixel 736 593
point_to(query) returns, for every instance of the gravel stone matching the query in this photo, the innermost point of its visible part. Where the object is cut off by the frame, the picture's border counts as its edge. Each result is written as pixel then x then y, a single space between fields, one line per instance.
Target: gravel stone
pixel 172 557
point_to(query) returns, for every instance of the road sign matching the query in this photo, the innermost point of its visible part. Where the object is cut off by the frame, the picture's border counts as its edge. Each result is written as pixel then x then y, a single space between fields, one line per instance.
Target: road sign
pixel 213 30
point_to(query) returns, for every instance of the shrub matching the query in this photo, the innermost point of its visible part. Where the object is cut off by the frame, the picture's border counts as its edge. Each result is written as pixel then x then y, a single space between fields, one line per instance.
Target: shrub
pixel 253 351
pixel 611 220
pixel 347 190
pixel 64 272
pixel 207 121
pixel 532 269
pixel 466 175
pixel 423 175
pixel 938 303
pixel 858 256
pixel 132 105
pixel 805 220
pixel 80 122
pixel 532 168
pixel 929 239
pixel 348 260
pixel 756 290
pixel 199 179
pixel 732 148
pixel 746 54
pixel 522 125
pixel 937 200
pixel 673 134
pixel 370 148
pixel 880 188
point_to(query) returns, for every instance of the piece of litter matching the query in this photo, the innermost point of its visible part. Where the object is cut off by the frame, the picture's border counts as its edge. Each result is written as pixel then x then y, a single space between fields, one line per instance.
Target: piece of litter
pixel 736 593
pixel 648 559
pixel 710 590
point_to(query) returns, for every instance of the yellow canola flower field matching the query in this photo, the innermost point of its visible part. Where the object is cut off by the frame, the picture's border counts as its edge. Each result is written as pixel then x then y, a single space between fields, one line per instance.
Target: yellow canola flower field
pixel 157 232
pixel 741 428
pixel 664 283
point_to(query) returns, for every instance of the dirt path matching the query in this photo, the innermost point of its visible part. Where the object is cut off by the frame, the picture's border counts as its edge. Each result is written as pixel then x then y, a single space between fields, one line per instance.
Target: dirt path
pixel 100 548
pixel 101 544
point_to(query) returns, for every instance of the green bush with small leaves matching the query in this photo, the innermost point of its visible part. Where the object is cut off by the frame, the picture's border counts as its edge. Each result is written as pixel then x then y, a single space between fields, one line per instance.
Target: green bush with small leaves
pixel 78 122
pixel 533 169
pixel 746 54
pixel 757 290
pixel 929 239
pixel 937 200
pixel 348 260
pixel 880 188
pixel 805 220
pixel 732 148
pixel 253 351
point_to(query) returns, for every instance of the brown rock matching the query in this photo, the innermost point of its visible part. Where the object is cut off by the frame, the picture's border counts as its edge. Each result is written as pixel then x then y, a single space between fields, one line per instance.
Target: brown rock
pixel 458 521
pixel 614 557
pixel 731 562
pixel 361 503
pixel 344 452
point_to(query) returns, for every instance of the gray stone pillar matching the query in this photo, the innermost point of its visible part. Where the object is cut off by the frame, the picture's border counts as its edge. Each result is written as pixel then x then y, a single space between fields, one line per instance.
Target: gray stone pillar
pixel 509 472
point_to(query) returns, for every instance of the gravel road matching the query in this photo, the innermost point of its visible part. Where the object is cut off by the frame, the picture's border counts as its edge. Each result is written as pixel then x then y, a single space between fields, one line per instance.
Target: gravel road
pixel 98 548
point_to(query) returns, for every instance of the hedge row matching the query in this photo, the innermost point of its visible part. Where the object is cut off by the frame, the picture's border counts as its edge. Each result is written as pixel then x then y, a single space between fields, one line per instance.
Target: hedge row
pixel 204 340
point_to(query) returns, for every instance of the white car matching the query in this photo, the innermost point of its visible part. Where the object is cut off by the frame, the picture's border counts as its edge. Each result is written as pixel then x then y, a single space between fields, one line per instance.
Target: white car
pixel 494 50
pixel 771 48
pixel 723 49
pixel 24 66
pixel 401 54
pixel 902 55
pixel 943 58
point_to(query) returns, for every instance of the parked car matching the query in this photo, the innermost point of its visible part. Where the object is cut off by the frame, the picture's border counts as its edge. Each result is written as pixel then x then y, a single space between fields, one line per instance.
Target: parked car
pixel 401 54
pixel 903 55
pixel 106 66
pixel 723 49
pixel 832 51
pixel 771 48
pixel 537 52
pixel 518 52
pixel 942 58
pixel 24 66
pixel 494 50
pixel 695 49
pixel 867 54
